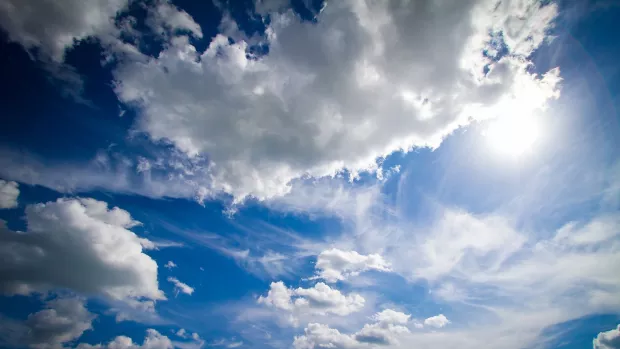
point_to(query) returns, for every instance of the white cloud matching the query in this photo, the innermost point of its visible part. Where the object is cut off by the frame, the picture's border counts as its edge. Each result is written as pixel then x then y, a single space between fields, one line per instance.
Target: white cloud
pixel 164 17
pixel 170 265
pixel 52 26
pixel 63 320
pixel 195 343
pixel 319 299
pixel 68 241
pixel 459 236
pixel 361 86
pixel 437 321
pixel 9 191
pixel 509 279
pixel 48 29
pixel 322 336
pixel 594 232
pixel 177 177
pixel 391 316
pixel 153 340
pixel 333 265
pixel 180 286
pixel 226 343
pixel 607 340
pixel 359 64
pixel 389 326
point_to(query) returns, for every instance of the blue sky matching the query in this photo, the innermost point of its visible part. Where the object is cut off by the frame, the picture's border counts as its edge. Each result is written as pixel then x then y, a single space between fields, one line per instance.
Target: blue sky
pixel 306 174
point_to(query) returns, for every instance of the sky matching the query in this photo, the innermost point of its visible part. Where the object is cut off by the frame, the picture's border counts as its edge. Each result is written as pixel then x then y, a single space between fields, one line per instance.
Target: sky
pixel 309 174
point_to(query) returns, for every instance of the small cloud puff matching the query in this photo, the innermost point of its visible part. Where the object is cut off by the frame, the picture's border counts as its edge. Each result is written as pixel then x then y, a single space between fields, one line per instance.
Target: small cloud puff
pixel 9 191
pixel 180 286
pixel 334 265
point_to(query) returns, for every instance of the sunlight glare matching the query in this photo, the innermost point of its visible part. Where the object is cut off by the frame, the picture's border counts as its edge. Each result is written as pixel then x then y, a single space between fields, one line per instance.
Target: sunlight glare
pixel 512 135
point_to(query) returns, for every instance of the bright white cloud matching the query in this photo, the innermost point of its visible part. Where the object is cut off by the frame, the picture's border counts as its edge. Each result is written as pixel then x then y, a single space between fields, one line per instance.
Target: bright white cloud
pixel 333 265
pixel 153 340
pixel 607 340
pixel 68 241
pixel 180 286
pixel 9 191
pixel 437 321
pixel 389 326
pixel 170 265
pixel 391 317
pixel 319 299
pixel 508 279
pixel 63 320
pixel 368 79
pixel 359 63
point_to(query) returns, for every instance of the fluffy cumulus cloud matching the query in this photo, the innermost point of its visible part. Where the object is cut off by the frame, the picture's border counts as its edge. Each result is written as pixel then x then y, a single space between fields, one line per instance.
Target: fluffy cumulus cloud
pixel 333 265
pixel 437 321
pixel 153 340
pixel 180 286
pixel 68 241
pixel 319 299
pixel 366 80
pixel 607 340
pixel 9 191
pixel 63 320
pixel 385 330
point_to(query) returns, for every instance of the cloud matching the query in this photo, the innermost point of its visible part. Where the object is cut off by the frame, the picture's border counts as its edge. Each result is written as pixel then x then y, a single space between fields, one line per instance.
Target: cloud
pixel 437 321
pixel 46 30
pixel 180 287
pixel 386 329
pixel 51 27
pixel 509 277
pixel 68 241
pixel 9 191
pixel 319 299
pixel 153 340
pixel 63 320
pixel 391 317
pixel 174 177
pixel 170 265
pixel 165 18
pixel 226 343
pixel 352 67
pixel 195 343
pixel 253 246
pixel 316 108
pixel 334 264
pixel 607 340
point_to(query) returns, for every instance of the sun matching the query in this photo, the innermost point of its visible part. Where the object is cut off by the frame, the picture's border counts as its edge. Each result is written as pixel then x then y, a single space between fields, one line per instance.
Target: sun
pixel 512 135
